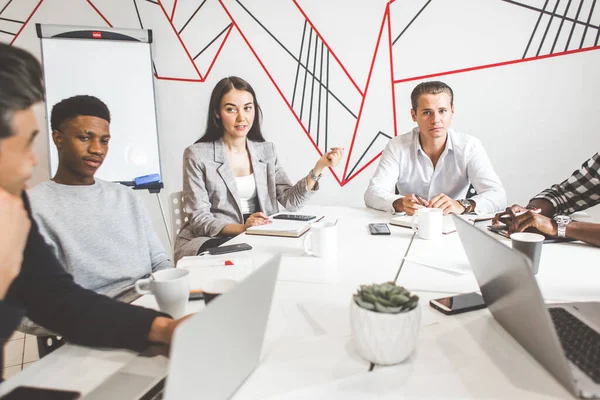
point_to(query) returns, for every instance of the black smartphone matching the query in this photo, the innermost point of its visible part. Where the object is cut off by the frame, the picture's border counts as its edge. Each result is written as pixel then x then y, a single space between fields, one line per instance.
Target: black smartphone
pixel 458 304
pixel 232 248
pixel 379 229
pixel 34 393
pixel 294 217
pixel 499 229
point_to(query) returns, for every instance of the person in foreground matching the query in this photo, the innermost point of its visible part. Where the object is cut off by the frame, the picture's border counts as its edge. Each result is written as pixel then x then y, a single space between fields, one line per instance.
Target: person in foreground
pixel 548 212
pixel 433 165
pixel 232 179
pixel 32 281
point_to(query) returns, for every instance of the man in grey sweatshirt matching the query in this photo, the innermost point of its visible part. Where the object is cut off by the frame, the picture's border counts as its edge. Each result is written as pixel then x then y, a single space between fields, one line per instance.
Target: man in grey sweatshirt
pixel 98 230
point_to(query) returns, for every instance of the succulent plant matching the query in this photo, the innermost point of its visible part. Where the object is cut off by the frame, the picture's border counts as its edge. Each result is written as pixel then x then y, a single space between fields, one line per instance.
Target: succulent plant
pixel 385 298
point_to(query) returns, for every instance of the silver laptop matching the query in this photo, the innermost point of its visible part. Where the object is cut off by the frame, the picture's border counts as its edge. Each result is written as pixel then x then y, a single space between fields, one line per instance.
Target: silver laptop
pixel 564 338
pixel 213 352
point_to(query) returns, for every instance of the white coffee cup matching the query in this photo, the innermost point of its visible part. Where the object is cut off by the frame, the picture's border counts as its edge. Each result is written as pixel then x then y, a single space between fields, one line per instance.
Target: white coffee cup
pixel 321 240
pixel 428 222
pixel 529 244
pixel 171 287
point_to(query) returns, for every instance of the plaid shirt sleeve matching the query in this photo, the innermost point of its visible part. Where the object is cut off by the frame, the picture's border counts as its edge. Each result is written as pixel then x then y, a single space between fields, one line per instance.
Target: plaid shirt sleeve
pixel 580 191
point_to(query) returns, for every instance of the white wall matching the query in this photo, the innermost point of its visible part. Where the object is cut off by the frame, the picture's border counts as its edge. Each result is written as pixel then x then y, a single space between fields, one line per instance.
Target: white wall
pixel 538 120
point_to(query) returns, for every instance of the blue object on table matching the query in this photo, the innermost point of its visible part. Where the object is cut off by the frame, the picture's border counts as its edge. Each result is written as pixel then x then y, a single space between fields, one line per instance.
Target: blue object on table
pixel 141 180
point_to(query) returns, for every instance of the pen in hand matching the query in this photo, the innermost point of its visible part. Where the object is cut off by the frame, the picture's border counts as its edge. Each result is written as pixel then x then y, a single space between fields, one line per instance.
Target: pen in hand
pixel 421 200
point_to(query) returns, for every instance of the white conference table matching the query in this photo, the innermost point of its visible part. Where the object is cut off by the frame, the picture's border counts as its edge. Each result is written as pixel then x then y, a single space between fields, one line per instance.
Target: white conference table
pixel 308 351
pixel 568 271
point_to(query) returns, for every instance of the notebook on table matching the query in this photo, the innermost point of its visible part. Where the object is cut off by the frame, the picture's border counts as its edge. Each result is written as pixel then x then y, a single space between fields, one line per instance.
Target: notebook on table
pixel 280 228
pixel 406 222
pixel 283 227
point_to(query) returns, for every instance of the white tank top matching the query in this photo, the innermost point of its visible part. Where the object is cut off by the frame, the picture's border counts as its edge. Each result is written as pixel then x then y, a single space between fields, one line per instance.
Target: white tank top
pixel 246 187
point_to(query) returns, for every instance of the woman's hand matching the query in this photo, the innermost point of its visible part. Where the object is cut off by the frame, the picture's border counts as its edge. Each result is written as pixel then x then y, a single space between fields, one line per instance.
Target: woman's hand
pixel 257 218
pixel 329 159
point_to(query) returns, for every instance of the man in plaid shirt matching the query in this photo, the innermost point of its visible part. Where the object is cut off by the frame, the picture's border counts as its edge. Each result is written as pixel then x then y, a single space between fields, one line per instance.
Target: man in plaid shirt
pixel 548 212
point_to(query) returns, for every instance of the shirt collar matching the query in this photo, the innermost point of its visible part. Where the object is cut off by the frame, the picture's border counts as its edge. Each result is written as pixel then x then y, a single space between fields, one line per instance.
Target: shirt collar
pixel 449 141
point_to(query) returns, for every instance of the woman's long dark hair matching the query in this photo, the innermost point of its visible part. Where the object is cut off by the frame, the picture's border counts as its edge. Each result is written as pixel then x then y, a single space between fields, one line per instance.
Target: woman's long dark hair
pixel 214 126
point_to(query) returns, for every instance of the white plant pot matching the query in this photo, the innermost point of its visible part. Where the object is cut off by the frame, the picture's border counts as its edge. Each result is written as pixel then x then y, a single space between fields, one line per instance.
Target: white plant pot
pixel 384 339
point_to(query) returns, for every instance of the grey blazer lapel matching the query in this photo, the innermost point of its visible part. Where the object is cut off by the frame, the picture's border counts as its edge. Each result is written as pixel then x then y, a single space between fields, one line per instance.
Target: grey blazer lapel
pixel 259 168
pixel 226 174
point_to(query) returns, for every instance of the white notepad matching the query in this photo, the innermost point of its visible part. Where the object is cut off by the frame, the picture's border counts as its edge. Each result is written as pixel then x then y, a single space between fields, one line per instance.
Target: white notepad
pixel 406 222
pixel 236 266
pixel 280 227
pixel 283 227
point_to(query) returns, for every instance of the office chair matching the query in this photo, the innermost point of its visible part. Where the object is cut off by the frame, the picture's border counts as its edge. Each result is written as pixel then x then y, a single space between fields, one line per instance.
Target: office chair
pixel 178 216
pixel 47 344
pixel 471 192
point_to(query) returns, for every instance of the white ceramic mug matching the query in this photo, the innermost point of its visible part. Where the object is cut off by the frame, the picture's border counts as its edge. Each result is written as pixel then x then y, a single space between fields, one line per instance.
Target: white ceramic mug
pixel 428 222
pixel 171 287
pixel 529 244
pixel 321 240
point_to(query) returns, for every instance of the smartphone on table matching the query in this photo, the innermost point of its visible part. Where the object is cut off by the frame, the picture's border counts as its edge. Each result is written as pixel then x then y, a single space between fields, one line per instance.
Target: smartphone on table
pixel 35 393
pixel 232 248
pixel 499 229
pixel 458 304
pixel 379 229
pixel 294 217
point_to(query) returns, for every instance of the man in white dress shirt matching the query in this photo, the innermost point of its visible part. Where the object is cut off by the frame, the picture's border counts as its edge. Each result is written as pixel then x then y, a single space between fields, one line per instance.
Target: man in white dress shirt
pixel 433 165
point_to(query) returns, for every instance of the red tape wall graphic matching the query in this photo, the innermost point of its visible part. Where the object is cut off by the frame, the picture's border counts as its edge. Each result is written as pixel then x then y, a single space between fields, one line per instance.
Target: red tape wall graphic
pixel 322 85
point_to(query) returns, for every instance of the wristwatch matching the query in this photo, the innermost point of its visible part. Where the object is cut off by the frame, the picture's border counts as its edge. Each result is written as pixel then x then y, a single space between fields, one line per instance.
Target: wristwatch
pixel 313 176
pixel 466 204
pixel 561 222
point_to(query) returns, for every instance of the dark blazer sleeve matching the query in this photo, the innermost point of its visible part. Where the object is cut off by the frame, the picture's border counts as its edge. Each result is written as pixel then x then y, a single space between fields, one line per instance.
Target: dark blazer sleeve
pixel 10 317
pixel 9 320
pixel 52 299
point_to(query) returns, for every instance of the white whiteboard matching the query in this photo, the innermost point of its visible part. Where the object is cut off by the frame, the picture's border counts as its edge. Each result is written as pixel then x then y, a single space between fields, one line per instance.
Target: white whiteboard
pixel 120 74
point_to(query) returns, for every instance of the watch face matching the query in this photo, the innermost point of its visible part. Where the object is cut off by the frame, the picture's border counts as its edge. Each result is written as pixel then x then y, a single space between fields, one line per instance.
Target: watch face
pixel 562 221
pixel 466 204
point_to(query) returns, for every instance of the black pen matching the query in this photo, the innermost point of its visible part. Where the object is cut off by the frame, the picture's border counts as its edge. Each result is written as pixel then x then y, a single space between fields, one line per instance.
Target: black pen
pixel 421 200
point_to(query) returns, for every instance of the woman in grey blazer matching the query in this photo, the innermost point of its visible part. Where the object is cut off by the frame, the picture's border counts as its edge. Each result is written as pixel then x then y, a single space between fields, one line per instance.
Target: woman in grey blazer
pixel 231 178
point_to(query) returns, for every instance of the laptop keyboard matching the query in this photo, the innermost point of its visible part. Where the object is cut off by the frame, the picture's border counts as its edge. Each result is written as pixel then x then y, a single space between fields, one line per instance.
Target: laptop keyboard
pixel 580 343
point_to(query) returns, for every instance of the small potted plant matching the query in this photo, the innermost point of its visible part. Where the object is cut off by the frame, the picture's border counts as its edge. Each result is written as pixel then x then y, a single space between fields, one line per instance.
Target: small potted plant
pixel 385 321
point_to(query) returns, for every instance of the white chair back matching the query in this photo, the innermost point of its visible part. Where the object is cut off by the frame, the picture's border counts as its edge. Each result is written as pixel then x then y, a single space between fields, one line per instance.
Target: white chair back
pixel 178 217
